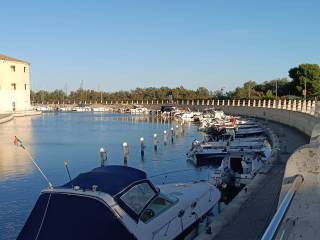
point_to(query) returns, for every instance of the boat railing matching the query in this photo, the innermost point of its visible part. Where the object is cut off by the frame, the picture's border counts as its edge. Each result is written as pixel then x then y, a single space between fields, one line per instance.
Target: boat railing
pixel 278 229
pixel 164 178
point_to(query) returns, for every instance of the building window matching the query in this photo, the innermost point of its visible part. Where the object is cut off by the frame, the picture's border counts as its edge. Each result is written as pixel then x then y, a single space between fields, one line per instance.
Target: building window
pixel 25 87
pixel 13 68
pixel 14 86
pixel 24 69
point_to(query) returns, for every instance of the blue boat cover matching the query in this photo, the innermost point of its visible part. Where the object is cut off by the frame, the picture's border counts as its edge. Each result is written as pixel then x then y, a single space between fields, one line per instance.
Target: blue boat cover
pixel 67 216
pixel 109 179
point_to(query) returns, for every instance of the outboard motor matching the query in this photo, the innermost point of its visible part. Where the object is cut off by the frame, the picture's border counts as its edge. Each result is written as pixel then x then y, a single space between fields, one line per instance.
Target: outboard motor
pixel 194 144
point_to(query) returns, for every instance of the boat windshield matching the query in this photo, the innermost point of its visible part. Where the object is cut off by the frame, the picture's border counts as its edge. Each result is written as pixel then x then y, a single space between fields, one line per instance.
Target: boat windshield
pixel 138 197
pixel 158 205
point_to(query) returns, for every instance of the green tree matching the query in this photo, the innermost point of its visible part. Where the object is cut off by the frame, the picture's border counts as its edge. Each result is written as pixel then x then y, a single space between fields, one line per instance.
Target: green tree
pixel 269 94
pixel 306 76
pixel 248 91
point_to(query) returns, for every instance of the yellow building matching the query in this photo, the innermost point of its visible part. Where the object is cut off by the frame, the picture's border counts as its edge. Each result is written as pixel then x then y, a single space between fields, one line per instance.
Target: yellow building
pixel 14 85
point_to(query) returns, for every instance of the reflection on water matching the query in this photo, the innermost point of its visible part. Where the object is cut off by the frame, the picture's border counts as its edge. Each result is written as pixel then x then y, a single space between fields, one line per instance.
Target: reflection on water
pixel 77 137
pixel 13 161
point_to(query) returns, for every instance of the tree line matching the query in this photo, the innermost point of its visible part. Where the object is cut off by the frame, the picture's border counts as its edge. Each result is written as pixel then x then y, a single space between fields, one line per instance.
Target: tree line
pixel 304 82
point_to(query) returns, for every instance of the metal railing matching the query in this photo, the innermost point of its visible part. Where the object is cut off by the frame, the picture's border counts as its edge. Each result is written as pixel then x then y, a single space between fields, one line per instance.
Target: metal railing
pixel 273 230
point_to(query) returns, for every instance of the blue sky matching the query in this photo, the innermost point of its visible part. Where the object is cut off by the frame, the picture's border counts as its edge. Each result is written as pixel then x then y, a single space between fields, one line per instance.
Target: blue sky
pixel 113 45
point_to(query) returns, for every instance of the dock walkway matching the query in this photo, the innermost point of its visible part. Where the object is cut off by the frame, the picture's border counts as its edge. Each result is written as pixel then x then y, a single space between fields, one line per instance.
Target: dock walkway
pixel 254 215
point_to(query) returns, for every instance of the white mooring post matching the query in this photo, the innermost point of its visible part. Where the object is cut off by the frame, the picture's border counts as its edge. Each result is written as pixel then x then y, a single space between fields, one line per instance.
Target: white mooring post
pixel 125 148
pixel 165 137
pixel 155 142
pixel 269 103
pixel 142 146
pixel 103 156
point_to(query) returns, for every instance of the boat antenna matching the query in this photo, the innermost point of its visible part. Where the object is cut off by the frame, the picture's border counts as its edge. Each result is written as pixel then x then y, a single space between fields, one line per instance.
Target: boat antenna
pixel 67 168
pixel 19 143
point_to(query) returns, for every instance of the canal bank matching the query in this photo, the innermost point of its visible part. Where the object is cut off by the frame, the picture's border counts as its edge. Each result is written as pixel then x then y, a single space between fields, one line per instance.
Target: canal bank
pixel 6 117
pixel 249 214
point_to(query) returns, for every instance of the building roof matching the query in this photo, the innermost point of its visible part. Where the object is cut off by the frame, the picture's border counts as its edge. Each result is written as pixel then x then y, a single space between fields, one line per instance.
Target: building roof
pixel 7 58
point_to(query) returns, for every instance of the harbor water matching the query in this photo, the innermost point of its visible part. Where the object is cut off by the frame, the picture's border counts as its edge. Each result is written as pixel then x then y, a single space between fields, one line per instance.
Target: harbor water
pixel 77 137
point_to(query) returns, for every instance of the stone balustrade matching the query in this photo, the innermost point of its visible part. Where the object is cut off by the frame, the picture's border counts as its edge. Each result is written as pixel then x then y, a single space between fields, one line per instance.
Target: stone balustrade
pixel 308 107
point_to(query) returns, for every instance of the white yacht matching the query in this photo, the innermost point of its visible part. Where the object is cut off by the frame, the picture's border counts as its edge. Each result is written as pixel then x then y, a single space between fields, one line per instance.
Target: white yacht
pixel 118 202
pixel 139 110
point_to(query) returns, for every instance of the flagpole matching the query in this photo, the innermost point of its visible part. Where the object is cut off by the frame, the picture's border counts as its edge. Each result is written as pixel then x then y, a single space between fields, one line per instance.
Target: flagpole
pixel 18 142
pixel 34 162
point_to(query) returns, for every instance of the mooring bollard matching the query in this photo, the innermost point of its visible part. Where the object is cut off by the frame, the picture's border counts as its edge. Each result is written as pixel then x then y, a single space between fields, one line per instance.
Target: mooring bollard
pixel 103 156
pixel 155 141
pixel 172 131
pixel 142 146
pixel 182 128
pixel 165 137
pixel 177 130
pixel 125 152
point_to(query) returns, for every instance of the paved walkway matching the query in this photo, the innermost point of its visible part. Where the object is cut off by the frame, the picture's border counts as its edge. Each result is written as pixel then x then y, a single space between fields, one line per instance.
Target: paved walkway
pixel 255 214
pixel 4 115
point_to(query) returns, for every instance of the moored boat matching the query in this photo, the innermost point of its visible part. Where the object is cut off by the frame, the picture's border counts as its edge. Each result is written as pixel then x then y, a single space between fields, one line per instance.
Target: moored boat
pixel 117 202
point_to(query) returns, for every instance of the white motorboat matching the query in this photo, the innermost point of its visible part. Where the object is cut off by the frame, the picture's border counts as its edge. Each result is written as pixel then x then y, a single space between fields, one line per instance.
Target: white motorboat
pixel 117 202
pixel 214 156
pixel 44 108
pixel 139 110
pixel 81 109
pixel 99 109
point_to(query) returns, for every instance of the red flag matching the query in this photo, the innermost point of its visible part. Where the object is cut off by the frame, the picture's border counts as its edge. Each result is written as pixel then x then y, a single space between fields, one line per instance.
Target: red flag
pixel 18 142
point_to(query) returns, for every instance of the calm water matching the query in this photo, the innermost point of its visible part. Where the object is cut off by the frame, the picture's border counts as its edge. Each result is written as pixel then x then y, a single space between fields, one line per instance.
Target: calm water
pixel 77 137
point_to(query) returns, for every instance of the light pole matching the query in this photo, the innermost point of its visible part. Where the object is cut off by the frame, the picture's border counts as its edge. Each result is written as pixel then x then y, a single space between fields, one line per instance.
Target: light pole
pixel 276 89
pixel 305 89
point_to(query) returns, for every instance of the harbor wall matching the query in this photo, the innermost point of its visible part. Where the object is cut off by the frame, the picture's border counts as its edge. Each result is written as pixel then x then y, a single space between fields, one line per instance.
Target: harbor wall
pixel 299 120
pixel 10 116
pixel 302 218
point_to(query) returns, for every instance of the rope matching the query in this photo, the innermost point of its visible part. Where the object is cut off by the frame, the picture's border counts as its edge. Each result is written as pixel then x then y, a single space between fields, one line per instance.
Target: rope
pixel 176 171
pixel 43 217
pixel 34 162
